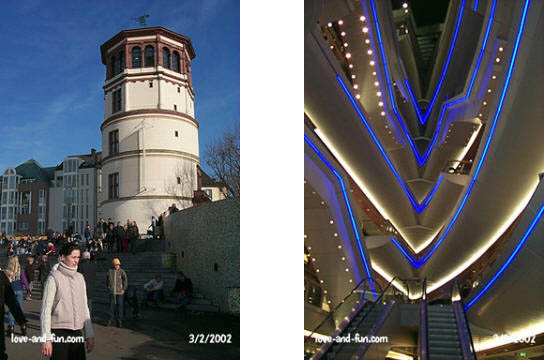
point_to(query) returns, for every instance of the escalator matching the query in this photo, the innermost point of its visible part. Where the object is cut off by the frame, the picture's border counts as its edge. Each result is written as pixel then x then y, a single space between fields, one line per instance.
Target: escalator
pixel 360 327
pixel 443 337
pixel 365 312
pixel 444 331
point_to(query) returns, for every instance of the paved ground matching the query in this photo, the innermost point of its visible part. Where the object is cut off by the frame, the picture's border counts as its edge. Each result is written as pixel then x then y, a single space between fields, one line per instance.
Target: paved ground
pixel 158 334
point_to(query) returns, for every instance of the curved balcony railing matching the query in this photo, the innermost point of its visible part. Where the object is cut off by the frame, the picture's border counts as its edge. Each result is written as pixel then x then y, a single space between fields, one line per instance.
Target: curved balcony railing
pixel 458 167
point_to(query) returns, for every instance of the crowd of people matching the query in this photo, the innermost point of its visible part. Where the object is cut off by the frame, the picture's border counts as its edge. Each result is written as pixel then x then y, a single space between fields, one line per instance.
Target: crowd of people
pixel 68 286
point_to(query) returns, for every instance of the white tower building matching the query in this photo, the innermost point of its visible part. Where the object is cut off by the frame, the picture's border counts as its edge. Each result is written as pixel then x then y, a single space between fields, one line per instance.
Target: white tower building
pixel 149 133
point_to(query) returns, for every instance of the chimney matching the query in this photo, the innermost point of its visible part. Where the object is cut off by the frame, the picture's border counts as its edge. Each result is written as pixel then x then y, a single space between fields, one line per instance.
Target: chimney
pixel 93 155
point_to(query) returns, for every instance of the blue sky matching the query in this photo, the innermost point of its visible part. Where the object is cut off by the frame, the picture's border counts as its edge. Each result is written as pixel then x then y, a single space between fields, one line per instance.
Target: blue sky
pixel 51 96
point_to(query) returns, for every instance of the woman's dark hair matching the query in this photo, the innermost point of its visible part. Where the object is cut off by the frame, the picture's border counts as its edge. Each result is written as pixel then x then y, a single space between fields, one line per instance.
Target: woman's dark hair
pixel 68 248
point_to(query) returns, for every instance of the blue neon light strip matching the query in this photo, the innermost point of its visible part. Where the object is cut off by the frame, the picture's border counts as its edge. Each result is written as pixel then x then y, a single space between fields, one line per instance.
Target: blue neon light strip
pixel 414 101
pixel 478 62
pixel 488 141
pixel 420 160
pixel 387 80
pixel 446 65
pixel 475 8
pixel 408 256
pixel 354 226
pixel 417 207
pixel 423 159
pixel 510 259
pixel 484 44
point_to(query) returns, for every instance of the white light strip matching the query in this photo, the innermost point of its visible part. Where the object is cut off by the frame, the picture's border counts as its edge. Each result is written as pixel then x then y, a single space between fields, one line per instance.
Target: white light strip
pixel 322 337
pixel 398 356
pixel 492 342
pixel 476 255
pixel 359 183
pixel 388 277
pixel 465 150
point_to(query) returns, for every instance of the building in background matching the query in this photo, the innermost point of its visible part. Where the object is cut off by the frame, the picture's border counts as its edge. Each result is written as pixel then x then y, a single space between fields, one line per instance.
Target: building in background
pixel 74 192
pixel 24 199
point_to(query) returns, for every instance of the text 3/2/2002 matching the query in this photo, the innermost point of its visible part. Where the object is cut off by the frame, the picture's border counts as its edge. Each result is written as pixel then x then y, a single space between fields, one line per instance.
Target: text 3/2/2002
pixel 210 339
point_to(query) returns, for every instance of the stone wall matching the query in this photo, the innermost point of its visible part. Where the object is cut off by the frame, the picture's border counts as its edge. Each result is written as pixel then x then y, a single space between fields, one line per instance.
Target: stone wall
pixel 206 241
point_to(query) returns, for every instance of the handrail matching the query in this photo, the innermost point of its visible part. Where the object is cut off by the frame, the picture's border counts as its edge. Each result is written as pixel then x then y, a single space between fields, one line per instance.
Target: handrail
pixel 370 309
pixel 424 330
pixel 472 348
pixel 336 308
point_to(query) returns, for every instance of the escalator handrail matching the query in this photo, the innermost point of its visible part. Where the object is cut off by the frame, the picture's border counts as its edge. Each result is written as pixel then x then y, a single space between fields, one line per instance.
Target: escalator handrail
pixel 424 349
pixel 336 308
pixel 472 348
pixel 370 309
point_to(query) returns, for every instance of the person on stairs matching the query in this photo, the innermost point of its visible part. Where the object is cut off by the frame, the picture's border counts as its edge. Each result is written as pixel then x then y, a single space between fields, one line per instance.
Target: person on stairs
pixel 117 282
pixel 154 290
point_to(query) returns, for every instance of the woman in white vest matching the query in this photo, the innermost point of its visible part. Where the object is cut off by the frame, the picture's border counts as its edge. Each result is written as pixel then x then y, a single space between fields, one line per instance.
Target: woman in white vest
pixel 64 312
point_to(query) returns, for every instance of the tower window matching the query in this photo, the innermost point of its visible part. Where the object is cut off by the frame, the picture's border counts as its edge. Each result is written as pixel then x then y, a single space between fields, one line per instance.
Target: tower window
pixel 179 180
pixel 175 61
pixel 151 84
pixel 176 133
pixel 114 186
pixel 116 101
pixel 114 142
pixel 121 60
pixel 149 56
pixel 166 58
pixel 179 90
pixel 113 66
pixel 136 57
pixel 175 107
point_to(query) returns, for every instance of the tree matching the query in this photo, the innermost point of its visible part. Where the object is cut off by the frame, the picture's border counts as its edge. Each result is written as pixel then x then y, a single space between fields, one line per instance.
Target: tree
pixel 182 184
pixel 223 157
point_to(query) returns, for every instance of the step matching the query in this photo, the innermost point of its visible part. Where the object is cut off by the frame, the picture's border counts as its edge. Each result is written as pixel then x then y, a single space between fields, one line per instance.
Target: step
pixel 449 332
pixel 444 343
pixel 445 357
pixel 441 325
pixel 444 350
pixel 441 337
pixel 439 309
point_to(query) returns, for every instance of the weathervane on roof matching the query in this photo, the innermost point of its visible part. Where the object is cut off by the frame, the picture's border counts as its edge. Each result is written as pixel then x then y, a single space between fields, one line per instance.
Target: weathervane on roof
pixel 141 19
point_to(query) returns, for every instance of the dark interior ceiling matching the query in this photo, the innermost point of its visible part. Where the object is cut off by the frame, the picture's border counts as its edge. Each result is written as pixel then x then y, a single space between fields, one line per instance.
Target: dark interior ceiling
pixel 426 12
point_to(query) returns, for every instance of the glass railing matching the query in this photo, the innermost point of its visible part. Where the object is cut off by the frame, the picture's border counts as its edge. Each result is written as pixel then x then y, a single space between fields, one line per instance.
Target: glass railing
pixel 340 316
pixel 368 311
pixel 458 167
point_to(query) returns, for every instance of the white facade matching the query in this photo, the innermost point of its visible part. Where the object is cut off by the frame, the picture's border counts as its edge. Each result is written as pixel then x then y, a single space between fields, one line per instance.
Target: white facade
pixel 10 200
pixel 72 196
pixel 152 163
pixel 214 193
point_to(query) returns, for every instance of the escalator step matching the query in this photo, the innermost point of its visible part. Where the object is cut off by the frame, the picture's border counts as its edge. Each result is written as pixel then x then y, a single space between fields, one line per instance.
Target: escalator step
pixel 444 343
pixel 440 337
pixel 445 357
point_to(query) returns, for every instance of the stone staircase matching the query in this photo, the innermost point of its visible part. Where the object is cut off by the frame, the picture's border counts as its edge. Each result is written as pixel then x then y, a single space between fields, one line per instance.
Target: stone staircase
pixel 140 268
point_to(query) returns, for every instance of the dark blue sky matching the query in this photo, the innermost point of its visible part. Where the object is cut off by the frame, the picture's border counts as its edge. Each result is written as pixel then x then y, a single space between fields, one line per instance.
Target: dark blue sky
pixel 51 75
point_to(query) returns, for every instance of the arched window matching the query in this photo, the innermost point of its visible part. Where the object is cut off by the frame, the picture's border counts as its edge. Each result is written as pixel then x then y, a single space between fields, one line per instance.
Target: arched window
pixel 149 56
pixel 121 60
pixel 166 58
pixel 175 61
pixel 136 56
